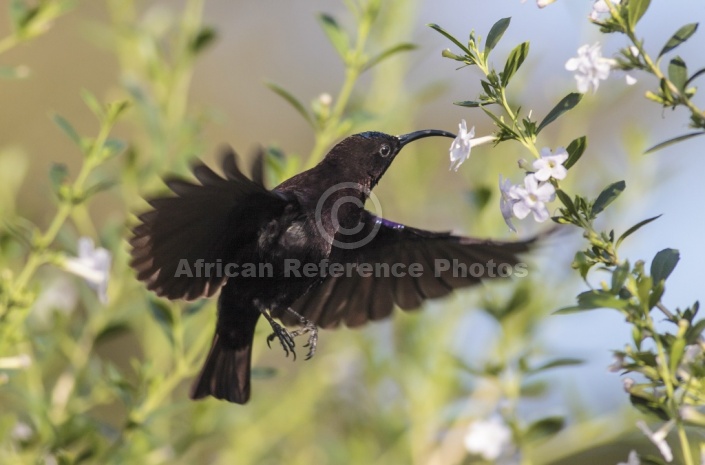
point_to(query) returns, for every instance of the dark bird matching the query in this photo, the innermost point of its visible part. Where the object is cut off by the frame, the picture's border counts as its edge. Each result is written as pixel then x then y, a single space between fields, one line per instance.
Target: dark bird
pixel 285 249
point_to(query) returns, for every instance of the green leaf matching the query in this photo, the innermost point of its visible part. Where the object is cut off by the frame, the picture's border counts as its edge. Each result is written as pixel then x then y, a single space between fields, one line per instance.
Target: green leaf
pixel 480 197
pixel 567 103
pixel 67 129
pixel 606 197
pixel 582 263
pixel 292 101
pixel 446 53
pixel 649 407
pixel 58 173
pixel 594 299
pixel 516 58
pixel 695 75
pixel 644 285
pixel 518 301
pixel 203 39
pixel 161 312
pixel 388 53
pixel 499 122
pixel 535 388
pixel 99 187
pixel 681 35
pixel 619 276
pixel 469 103
pixel 495 34
pixel 195 307
pixel 114 146
pixel 115 109
pixel 544 428
pixel 557 363
pixel 675 140
pixel 635 10
pixel 636 227
pixel 677 349
pixel 575 150
pixel 663 264
pixel 92 102
pixel 678 73
pixel 696 330
pixel 112 330
pixel 336 35
pixel 565 200
pixel 438 28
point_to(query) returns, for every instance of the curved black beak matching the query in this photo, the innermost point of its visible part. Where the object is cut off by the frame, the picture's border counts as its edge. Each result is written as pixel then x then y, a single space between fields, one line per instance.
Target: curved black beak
pixel 412 136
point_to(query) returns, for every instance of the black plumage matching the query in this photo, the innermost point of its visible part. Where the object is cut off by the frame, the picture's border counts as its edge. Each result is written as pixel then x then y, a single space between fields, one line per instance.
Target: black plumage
pixel 313 218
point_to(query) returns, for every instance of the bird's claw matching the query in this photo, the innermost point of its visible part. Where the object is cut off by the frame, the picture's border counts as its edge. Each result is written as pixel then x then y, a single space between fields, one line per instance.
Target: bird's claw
pixel 286 339
pixel 308 327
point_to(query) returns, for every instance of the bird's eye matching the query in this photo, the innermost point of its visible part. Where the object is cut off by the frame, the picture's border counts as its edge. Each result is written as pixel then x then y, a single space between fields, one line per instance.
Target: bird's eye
pixel 385 150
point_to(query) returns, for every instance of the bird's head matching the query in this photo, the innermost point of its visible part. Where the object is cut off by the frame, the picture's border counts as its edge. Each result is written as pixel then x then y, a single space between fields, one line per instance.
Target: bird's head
pixel 366 156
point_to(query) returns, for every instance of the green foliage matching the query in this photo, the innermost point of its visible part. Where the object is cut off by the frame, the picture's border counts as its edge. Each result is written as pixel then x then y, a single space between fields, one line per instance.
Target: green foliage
pixel 671 384
pixel 679 38
pixel 568 103
pixel 82 401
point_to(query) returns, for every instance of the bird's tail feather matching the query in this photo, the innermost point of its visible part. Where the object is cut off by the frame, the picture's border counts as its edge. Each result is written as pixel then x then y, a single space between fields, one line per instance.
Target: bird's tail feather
pixel 226 373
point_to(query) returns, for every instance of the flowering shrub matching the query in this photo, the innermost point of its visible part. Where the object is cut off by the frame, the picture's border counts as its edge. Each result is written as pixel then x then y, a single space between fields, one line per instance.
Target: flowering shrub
pixel 93 368
pixel 670 388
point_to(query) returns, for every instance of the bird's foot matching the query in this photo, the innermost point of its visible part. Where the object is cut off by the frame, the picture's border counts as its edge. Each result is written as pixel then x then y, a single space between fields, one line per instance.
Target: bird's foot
pixel 286 338
pixel 307 326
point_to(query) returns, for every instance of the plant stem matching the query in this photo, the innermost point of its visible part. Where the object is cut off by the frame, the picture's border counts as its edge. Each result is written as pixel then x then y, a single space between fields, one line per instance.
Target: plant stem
pixel 354 66
pixel 667 378
pixel 7 43
pixel 37 256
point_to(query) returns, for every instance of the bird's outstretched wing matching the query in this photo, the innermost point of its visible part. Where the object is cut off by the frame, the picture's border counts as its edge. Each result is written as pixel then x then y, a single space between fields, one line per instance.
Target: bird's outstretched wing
pixel 210 221
pixel 439 259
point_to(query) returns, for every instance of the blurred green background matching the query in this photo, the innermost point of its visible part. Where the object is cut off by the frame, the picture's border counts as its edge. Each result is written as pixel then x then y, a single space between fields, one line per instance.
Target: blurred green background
pixel 395 392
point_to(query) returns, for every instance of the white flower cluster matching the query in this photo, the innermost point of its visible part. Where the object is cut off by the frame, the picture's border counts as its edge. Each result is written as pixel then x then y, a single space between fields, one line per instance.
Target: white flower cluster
pixel 600 8
pixel 590 67
pixel 489 438
pixel 531 197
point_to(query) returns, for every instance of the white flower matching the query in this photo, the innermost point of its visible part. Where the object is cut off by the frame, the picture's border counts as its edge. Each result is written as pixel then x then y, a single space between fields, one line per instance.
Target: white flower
pixel 628 384
pixel 590 67
pixel 15 363
pixel 488 438
pixel 507 200
pixel 22 432
pixel 460 148
pixel 532 198
pixel 541 3
pixel 463 144
pixel 93 265
pixel 600 7
pixel 659 438
pixel 325 99
pixel 617 365
pixel 59 294
pixel 550 165
pixel 631 80
pixel 633 459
